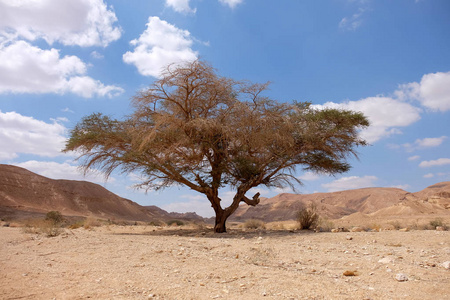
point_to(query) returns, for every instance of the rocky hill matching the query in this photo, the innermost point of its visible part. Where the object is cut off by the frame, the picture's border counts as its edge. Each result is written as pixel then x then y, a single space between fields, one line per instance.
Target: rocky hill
pixel 366 203
pixel 24 194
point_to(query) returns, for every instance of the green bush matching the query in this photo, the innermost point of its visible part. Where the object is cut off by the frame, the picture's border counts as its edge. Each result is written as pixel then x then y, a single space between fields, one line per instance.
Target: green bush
pixel 308 217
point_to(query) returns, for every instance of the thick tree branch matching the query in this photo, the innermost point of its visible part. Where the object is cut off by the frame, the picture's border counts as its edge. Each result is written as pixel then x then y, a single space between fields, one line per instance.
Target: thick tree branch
pixel 253 202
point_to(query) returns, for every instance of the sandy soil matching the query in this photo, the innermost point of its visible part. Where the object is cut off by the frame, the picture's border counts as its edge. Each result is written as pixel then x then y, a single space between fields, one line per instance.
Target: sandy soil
pixel 147 263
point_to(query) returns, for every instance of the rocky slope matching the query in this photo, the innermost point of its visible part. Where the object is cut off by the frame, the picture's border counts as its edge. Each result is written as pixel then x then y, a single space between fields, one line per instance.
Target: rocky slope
pixel 23 193
pixel 356 204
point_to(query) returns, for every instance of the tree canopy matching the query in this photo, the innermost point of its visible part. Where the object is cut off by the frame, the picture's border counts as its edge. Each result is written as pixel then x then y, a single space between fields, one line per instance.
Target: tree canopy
pixel 198 129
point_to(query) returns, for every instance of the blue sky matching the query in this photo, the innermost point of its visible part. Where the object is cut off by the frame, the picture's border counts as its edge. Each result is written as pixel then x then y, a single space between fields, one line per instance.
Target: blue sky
pixel 62 60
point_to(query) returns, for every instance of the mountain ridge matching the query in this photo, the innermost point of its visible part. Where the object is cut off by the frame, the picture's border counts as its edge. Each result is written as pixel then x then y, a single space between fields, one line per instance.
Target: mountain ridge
pixel 24 193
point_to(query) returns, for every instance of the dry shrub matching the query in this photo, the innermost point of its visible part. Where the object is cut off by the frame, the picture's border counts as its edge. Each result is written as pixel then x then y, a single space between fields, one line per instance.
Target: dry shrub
pixel 156 223
pixel 54 216
pixel 308 217
pixel 396 224
pixel 254 224
pixel 44 227
pixel 325 224
pixel 175 223
pixel 91 222
pixel 438 222
pixel 375 227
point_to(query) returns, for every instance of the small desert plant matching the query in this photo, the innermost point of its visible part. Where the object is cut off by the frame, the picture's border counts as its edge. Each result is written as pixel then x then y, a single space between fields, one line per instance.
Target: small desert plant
pixel 54 216
pixel 91 222
pixel 325 224
pixel 156 223
pixel 41 226
pixel 254 224
pixel 307 217
pixel 175 222
pixel 438 222
pixel 396 225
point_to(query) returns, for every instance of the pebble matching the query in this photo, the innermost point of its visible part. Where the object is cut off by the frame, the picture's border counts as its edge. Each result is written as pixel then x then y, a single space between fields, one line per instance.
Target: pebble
pixel 446 265
pixel 350 273
pixel 401 277
pixel 386 260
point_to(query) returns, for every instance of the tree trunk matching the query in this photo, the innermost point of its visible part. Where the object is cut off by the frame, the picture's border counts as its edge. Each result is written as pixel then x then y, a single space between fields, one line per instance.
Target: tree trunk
pixel 221 218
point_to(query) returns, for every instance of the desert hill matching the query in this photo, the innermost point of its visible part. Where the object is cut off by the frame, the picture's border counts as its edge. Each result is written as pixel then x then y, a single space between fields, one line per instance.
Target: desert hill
pixel 24 193
pixel 355 205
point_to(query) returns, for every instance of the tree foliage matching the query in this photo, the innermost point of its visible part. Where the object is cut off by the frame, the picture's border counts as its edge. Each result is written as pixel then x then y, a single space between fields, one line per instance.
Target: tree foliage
pixel 195 128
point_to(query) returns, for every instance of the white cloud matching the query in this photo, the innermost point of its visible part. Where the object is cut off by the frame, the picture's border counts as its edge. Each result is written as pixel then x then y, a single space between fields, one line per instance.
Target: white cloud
pixel 66 171
pixel 385 115
pixel 309 176
pixel 21 134
pixel 432 92
pixel 353 22
pixel 28 69
pixel 159 45
pixel 67 110
pixel 422 143
pixel 181 6
pixel 97 55
pixel 231 3
pixel 430 142
pixel 412 158
pixel 429 175
pixel 404 187
pixel 434 163
pixel 350 183
pixel 71 22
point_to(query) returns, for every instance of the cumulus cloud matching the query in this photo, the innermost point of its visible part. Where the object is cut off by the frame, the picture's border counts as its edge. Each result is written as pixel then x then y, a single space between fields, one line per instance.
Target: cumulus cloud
pixel 435 163
pixel 422 143
pixel 28 69
pixel 430 142
pixel 22 134
pixel 181 6
pixel 412 158
pixel 433 91
pixel 70 22
pixel 231 3
pixel 65 170
pixel 349 183
pixel 386 115
pixel 159 45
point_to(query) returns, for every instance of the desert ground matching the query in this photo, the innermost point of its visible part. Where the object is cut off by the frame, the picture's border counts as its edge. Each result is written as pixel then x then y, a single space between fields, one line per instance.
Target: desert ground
pixel 148 262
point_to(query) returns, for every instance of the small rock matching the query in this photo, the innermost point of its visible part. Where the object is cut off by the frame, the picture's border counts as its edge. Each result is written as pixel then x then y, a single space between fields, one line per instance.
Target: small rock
pixel 401 277
pixel 406 229
pixel 440 228
pixel 349 238
pixel 350 273
pixel 386 260
pixel 357 229
pixel 446 265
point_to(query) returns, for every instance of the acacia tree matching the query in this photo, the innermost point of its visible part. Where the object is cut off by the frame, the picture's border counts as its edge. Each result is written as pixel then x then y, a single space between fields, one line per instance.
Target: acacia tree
pixel 197 129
